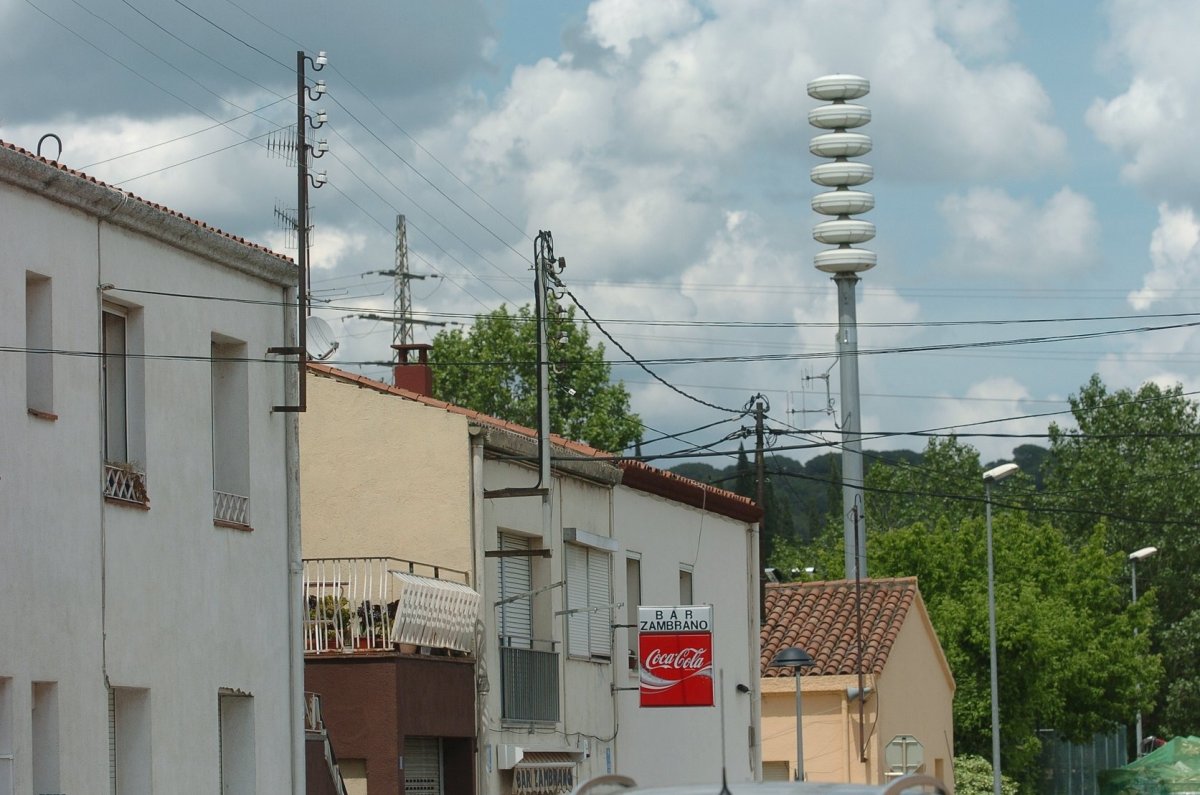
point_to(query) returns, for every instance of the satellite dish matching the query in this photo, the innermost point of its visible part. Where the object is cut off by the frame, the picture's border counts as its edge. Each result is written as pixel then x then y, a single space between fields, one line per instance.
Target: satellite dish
pixel 320 342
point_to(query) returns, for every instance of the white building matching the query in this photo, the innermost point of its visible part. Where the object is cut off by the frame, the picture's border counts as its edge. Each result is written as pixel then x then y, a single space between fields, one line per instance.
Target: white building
pixel 392 474
pixel 144 498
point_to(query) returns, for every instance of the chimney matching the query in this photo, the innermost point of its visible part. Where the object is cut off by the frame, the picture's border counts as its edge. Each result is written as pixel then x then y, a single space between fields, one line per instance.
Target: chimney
pixel 415 376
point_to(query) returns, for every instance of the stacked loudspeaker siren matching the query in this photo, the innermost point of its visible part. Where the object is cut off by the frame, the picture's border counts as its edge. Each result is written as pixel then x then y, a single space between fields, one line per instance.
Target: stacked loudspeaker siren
pixel 842 174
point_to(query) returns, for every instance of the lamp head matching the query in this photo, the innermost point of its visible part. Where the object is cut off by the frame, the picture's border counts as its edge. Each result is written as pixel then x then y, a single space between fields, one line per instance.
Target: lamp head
pixel 996 474
pixel 794 657
pixel 1143 553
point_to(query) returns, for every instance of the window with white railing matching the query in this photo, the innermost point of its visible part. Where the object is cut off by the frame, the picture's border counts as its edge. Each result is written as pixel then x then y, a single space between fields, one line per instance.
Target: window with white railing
pixel 230 433
pixel 39 341
pixel 123 400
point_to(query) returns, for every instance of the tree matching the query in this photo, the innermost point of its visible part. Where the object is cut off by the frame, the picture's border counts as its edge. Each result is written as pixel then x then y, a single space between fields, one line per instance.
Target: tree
pixel 973 776
pixel 492 368
pixel 1130 465
pixel 1069 658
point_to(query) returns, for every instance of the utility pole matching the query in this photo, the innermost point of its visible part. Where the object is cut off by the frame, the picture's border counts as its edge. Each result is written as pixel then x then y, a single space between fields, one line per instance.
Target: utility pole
pixel 402 332
pixel 760 488
pixel 545 277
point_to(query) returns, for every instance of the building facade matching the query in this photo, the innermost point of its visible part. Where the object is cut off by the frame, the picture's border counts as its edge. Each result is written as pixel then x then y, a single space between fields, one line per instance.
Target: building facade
pixel 449 495
pixel 865 722
pixel 143 498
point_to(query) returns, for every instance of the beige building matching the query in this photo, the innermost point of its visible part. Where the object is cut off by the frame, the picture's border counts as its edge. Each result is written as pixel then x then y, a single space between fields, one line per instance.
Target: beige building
pixel 905 722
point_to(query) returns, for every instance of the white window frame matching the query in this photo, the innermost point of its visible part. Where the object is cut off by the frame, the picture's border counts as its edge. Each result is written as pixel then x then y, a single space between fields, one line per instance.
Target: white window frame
pixel 687 593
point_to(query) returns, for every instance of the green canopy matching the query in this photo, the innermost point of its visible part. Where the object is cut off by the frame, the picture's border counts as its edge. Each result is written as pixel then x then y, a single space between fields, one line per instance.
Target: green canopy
pixel 1173 768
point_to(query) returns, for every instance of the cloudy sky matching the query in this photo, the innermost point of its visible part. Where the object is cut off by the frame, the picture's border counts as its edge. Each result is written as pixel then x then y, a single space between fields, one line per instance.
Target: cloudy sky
pixel 1034 162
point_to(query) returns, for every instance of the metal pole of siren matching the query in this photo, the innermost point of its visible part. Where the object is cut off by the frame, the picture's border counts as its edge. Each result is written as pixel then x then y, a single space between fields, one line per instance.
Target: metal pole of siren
pixel 845 263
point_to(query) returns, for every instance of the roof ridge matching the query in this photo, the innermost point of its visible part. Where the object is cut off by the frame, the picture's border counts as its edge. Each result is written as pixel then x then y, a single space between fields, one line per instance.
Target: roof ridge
pixel 146 202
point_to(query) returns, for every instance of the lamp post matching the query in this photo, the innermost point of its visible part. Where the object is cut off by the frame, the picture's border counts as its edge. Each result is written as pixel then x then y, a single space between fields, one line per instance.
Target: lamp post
pixel 1134 557
pixel 994 475
pixel 796 658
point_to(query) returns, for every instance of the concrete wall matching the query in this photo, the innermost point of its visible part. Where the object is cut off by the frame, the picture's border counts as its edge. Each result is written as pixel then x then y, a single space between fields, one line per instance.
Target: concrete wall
pixel 384 476
pixel 658 746
pixel 918 696
pixel 158 600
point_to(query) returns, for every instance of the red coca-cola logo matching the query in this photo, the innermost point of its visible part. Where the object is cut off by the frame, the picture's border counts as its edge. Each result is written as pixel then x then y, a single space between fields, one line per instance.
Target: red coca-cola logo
pixel 693 658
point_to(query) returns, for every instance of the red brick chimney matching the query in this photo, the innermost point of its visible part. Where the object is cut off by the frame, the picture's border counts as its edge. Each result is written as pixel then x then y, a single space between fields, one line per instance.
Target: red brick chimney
pixel 415 376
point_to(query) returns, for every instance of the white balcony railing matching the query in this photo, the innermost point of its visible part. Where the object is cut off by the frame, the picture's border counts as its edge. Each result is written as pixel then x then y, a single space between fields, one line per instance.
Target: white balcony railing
pixel 125 483
pixel 231 508
pixel 360 604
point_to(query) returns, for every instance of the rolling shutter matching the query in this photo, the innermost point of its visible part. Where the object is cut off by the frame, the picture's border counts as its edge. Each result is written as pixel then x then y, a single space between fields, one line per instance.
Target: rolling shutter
pixel 516 577
pixel 422 766
pixel 599 596
pixel 578 643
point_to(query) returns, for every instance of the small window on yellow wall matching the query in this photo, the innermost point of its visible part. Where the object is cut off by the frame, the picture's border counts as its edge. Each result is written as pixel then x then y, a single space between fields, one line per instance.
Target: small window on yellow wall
pixel 775 771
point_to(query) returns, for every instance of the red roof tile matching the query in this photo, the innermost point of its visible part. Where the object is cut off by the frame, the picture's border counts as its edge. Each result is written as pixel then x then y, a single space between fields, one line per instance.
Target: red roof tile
pixel 822 619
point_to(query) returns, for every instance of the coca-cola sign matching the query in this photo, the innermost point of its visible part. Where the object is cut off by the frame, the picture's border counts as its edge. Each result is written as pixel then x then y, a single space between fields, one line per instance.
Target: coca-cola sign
pixel 676 656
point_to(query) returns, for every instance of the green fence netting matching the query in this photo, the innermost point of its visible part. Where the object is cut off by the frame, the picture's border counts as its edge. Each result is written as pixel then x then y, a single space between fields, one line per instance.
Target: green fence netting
pixel 1174 768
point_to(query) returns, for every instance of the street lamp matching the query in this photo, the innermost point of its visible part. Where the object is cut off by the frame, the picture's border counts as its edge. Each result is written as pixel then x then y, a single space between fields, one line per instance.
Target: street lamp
pixel 796 658
pixel 994 475
pixel 1134 557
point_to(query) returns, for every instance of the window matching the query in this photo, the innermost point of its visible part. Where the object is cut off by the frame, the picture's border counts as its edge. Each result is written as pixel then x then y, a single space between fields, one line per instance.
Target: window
pixel 45 737
pixel 39 362
pixel 633 598
pixel 115 385
pixel 529 686
pixel 516 577
pixel 122 378
pixel 422 766
pixel 685 585
pixel 129 740
pixel 235 739
pixel 6 737
pixel 230 434
pixel 589 594
pixel 776 771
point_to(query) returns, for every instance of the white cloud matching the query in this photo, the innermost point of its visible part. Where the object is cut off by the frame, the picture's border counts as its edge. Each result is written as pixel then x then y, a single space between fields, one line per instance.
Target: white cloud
pixel 616 24
pixel 978 27
pixel 1174 257
pixel 993 232
pixel 1153 122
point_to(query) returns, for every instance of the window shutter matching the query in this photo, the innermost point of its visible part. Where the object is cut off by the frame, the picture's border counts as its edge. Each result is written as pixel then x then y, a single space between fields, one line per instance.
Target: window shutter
pixel 516 577
pixel 577 599
pixel 422 766
pixel 599 595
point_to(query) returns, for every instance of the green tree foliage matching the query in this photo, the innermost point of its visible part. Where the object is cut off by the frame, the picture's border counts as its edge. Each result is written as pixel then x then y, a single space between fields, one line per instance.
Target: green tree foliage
pixel 1132 461
pixel 910 492
pixel 973 776
pixel 492 368
pixel 1069 658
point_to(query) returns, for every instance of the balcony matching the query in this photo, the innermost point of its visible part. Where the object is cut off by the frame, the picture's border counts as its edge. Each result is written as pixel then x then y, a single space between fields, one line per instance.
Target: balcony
pixel 231 510
pixel 355 605
pixel 125 484
pixel 529 680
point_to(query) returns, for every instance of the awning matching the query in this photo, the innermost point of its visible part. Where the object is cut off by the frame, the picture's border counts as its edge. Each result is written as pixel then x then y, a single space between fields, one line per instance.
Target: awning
pixel 435 613
pixel 544 773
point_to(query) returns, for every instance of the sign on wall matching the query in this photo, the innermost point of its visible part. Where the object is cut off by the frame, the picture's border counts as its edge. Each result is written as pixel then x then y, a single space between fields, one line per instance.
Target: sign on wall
pixel 675 652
